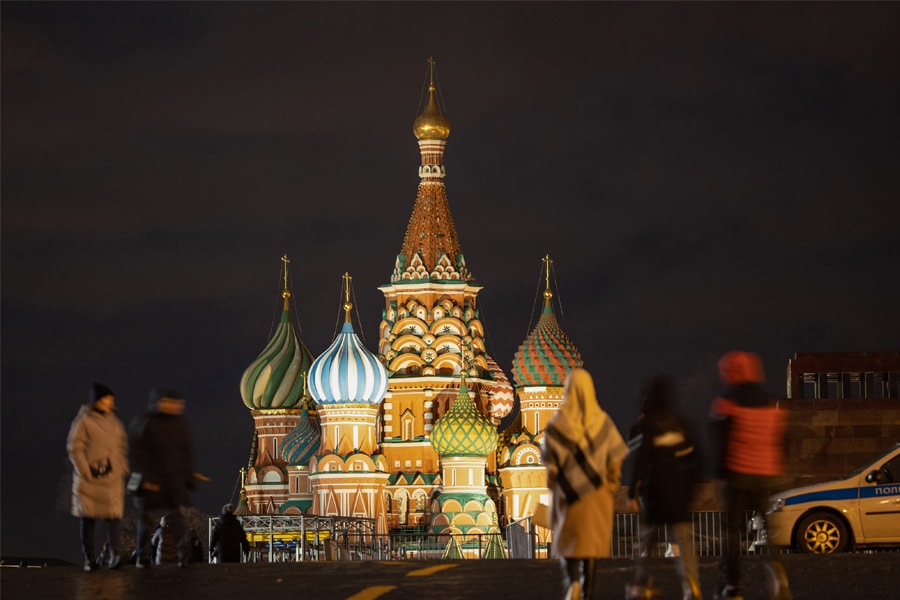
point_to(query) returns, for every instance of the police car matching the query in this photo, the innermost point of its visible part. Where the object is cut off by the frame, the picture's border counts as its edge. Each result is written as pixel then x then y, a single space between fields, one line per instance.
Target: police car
pixel 862 509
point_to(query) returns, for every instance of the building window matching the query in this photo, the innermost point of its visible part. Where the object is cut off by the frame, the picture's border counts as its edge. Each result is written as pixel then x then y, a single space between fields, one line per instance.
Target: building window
pixel 408 420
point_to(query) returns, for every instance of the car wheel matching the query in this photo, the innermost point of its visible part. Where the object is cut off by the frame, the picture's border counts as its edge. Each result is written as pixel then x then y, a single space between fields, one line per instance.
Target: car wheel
pixel 821 533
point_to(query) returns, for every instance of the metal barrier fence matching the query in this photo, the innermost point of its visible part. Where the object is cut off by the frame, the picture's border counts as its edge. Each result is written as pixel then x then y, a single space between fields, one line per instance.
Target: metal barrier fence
pixel 708 529
pixel 279 538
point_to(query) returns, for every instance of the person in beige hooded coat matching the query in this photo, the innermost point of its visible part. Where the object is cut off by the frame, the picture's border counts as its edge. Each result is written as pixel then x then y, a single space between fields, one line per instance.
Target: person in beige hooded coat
pixel 98 449
pixel 583 452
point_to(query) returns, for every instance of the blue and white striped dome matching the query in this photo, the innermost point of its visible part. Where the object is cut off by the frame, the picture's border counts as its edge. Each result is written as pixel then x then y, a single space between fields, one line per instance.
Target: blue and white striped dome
pixel 347 373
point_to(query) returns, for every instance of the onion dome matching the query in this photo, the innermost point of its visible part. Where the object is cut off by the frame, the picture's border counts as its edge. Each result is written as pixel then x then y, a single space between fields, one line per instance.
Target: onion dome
pixel 347 373
pixel 547 354
pixel 431 124
pixel 275 378
pixel 500 391
pixel 302 443
pixel 462 430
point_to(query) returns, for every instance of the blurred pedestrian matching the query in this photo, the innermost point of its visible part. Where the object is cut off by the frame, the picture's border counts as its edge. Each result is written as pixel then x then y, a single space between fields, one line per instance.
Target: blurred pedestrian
pixel 163 545
pixel 98 449
pixel 748 427
pixel 195 546
pixel 662 486
pixel 583 452
pixel 229 540
pixel 163 470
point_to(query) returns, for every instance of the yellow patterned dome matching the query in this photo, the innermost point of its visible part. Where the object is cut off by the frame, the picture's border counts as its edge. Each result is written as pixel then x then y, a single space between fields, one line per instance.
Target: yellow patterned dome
pixel 462 430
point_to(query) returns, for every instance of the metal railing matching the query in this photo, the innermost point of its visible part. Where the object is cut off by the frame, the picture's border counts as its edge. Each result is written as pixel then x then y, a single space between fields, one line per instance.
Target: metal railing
pixel 707 527
pixel 278 538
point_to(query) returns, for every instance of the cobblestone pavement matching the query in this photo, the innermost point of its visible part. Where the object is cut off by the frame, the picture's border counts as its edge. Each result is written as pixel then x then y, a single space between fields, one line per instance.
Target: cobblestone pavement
pixel 869 576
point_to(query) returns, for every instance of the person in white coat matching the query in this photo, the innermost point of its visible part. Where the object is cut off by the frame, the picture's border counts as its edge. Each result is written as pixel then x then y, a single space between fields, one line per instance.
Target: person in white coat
pixel 98 449
pixel 583 452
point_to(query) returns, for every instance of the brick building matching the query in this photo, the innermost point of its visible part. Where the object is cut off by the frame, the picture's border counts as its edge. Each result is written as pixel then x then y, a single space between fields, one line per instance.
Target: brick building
pixel 844 409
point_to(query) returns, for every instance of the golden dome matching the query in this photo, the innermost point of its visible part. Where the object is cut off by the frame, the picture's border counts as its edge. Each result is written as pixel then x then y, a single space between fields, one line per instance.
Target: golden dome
pixel 431 124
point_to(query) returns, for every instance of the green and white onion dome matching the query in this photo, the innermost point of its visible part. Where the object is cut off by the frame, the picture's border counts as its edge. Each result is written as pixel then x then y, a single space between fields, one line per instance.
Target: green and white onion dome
pixel 275 379
pixel 347 373
pixel 463 430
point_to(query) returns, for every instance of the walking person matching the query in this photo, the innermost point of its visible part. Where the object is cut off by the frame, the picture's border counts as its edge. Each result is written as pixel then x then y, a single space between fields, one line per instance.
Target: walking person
pixel 229 540
pixel 662 487
pixel 748 426
pixel 163 470
pixel 583 452
pixel 98 449
pixel 163 545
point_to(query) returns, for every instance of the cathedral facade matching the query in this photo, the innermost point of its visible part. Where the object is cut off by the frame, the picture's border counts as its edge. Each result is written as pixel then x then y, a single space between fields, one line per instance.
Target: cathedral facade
pixel 409 434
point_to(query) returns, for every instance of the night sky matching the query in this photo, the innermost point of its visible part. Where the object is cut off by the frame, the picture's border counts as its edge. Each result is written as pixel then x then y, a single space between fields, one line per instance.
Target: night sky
pixel 706 176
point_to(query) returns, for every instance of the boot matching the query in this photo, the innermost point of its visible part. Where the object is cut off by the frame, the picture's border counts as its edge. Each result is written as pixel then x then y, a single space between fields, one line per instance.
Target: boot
pixel 730 592
pixel 115 560
pixel 690 589
pixel 637 591
pixel 90 564
pixel 778 586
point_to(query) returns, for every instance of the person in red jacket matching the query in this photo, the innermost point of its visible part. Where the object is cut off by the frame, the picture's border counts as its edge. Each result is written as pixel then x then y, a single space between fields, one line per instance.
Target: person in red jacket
pixel 748 426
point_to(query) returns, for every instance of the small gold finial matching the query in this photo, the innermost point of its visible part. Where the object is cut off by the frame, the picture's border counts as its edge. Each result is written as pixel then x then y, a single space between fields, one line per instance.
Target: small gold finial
pixel 304 396
pixel 547 293
pixel 286 293
pixel 431 73
pixel 347 305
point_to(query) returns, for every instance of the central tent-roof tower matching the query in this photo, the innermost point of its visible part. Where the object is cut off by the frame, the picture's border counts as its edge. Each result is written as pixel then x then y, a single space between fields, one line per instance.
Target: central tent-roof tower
pixel 431 331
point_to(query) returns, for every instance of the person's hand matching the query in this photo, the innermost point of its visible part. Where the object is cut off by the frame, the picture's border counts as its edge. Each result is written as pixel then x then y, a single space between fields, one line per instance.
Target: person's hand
pixel 150 487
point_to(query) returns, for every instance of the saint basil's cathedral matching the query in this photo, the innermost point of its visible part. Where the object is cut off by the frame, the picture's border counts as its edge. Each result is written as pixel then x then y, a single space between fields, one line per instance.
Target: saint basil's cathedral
pixel 409 436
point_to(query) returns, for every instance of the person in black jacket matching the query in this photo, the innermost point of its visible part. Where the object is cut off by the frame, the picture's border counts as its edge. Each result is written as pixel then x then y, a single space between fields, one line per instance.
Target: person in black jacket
pixel 164 465
pixel 662 486
pixel 229 540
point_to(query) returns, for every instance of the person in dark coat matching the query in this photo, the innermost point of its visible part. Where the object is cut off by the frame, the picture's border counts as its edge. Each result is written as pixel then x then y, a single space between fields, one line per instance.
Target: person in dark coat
pixel 163 462
pixel 229 540
pixel 98 449
pixel 195 546
pixel 162 544
pixel 662 485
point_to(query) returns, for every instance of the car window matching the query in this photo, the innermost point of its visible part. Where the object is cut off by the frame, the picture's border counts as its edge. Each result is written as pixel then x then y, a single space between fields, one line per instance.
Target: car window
pixel 873 463
pixel 890 471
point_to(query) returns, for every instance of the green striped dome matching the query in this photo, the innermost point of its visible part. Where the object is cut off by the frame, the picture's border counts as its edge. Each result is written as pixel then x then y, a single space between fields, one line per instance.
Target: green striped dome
pixel 275 378
pixel 462 430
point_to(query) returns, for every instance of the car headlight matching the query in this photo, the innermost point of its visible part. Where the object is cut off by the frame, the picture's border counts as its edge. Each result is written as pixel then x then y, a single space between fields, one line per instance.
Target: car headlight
pixel 776 505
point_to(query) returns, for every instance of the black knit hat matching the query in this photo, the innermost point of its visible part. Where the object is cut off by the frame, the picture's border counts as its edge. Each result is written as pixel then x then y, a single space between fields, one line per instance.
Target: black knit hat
pixel 97 391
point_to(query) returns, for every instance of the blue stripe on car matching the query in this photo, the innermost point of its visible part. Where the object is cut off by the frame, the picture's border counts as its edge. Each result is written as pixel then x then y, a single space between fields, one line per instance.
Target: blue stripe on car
pixel 850 493
pixel 838 494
